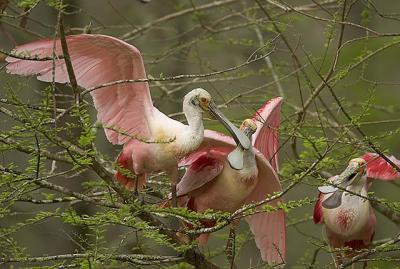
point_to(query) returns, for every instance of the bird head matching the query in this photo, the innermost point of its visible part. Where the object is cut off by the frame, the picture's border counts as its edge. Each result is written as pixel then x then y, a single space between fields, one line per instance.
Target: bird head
pixel 248 127
pixel 201 100
pixel 353 172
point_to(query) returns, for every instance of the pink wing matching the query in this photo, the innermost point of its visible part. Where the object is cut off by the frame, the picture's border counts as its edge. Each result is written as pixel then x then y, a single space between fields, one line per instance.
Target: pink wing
pixel 201 171
pixel 317 215
pixel 378 168
pixel 266 139
pixel 97 59
pixel 269 229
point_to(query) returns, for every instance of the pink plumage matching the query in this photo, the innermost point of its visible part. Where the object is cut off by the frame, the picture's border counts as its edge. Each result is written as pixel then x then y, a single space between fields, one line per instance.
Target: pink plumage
pixel 352 223
pixel 266 139
pixel 206 191
pixel 97 59
pixel 379 168
pixel 317 215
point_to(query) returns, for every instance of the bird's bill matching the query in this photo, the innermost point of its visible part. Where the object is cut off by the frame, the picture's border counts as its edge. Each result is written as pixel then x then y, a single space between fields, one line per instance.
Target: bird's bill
pixel 327 189
pixel 235 159
pixel 345 179
pixel 239 137
pixel 333 201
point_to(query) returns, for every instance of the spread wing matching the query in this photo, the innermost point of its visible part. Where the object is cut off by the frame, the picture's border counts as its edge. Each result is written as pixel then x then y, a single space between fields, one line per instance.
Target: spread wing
pixel 96 60
pixel 266 138
pixel 378 168
pixel 269 229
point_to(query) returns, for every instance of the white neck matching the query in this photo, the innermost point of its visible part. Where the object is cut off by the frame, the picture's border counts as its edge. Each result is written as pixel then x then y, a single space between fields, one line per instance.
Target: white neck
pixel 194 118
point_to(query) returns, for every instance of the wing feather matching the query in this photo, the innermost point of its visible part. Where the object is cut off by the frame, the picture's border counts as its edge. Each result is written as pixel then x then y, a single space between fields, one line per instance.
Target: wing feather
pixel 269 229
pixel 201 171
pixel 97 59
pixel 266 138
pixel 378 168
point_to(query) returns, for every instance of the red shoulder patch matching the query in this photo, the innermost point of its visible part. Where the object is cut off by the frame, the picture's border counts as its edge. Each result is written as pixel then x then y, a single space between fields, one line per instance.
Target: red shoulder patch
pixel 203 161
pixel 317 216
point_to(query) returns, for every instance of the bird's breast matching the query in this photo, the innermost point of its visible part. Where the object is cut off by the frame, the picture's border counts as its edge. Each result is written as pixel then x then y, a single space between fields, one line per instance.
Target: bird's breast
pixel 348 219
pixel 183 142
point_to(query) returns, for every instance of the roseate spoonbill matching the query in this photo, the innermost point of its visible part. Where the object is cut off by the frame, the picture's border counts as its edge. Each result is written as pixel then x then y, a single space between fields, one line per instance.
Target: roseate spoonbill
pixel 223 177
pixel 127 107
pixel 348 218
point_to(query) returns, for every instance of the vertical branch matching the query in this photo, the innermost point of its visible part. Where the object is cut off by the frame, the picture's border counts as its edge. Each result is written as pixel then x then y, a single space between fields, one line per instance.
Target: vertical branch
pixel 38 156
pixel 269 62
pixel 67 60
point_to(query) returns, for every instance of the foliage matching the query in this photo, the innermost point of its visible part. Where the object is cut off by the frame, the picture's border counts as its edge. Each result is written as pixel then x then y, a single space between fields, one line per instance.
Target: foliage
pixel 62 208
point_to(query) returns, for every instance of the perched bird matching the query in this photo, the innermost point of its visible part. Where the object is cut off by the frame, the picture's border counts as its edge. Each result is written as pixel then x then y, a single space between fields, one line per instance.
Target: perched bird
pixel 348 217
pixel 125 109
pixel 224 177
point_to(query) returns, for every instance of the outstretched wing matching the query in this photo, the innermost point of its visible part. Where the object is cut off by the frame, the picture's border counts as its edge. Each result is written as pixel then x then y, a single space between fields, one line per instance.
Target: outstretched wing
pixel 268 228
pixel 266 138
pixel 378 168
pixel 96 60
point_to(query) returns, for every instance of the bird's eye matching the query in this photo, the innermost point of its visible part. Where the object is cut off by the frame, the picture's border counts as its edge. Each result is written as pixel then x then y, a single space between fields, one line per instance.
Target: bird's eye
pixel 203 99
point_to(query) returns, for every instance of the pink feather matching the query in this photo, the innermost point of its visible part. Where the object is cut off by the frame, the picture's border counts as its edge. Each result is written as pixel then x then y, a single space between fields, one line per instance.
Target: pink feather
pixel 378 168
pixel 201 171
pixel 97 59
pixel 269 229
pixel 317 215
pixel 266 138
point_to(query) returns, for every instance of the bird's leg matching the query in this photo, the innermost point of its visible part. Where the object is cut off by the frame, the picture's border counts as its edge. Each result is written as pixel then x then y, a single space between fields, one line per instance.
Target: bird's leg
pixel 230 247
pixel 136 191
pixel 137 183
pixel 173 176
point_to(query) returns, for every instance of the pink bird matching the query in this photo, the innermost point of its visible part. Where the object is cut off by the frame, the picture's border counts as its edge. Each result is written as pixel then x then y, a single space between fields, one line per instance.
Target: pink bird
pixel 125 110
pixel 349 219
pixel 224 177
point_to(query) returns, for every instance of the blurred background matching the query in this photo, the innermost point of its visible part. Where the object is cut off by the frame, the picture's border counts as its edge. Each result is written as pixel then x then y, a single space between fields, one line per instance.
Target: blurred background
pixel 198 37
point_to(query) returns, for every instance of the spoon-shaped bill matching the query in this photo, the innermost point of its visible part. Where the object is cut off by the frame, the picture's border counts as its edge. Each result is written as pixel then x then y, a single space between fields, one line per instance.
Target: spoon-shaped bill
pixel 333 201
pixel 239 137
pixel 327 189
pixel 235 159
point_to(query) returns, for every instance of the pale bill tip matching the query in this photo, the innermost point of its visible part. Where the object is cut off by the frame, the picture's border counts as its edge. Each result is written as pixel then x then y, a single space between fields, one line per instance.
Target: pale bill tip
pixel 327 189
